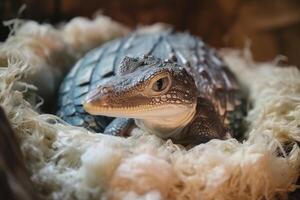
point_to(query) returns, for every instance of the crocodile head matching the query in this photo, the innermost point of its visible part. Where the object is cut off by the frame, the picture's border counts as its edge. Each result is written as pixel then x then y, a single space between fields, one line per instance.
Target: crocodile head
pixel 160 95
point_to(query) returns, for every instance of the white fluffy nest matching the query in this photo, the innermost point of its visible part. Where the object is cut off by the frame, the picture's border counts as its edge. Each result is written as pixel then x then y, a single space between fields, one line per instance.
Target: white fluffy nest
pixel 70 163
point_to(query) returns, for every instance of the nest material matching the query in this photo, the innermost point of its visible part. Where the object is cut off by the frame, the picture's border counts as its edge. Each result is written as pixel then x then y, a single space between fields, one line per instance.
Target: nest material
pixel 68 162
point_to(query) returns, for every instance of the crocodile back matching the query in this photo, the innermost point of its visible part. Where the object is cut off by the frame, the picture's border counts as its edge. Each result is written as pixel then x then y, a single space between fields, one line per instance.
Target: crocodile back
pixel 213 79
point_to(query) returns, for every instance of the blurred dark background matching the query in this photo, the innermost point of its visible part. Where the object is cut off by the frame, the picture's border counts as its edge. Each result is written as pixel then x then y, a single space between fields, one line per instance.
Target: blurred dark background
pixel 272 26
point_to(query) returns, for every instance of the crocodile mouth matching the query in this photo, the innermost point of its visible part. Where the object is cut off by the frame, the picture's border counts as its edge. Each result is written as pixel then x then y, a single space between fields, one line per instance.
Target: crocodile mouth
pixel 141 111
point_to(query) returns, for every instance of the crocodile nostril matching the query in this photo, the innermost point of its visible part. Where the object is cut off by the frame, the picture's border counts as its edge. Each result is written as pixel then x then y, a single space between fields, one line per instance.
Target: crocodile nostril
pixel 105 90
pixel 99 96
pixel 98 92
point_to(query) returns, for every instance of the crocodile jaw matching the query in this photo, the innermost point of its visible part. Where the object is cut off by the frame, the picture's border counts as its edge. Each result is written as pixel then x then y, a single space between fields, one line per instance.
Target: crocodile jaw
pixel 139 112
pixel 164 121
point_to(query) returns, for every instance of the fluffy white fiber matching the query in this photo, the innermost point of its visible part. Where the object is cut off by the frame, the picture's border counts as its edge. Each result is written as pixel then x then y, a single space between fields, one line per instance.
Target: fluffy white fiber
pixel 70 163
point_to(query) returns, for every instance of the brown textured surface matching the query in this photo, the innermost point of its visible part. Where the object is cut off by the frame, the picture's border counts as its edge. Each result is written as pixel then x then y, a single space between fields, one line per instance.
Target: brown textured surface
pixel 273 26
pixel 14 179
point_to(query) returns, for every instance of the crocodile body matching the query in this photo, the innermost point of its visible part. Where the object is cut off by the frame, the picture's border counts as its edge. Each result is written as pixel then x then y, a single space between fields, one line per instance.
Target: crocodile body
pixel 214 83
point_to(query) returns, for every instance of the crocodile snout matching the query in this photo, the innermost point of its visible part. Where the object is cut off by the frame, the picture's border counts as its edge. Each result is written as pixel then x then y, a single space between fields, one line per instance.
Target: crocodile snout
pixel 98 98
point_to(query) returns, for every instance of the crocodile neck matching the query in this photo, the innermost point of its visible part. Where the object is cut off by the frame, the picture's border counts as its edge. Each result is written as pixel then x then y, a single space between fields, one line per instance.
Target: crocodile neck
pixel 166 127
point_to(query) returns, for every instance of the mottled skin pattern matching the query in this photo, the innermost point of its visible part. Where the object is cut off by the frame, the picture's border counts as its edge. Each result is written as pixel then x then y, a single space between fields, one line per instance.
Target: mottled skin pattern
pixel 172 84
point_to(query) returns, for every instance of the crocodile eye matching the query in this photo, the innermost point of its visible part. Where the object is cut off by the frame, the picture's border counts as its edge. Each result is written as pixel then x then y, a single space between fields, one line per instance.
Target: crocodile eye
pixel 160 84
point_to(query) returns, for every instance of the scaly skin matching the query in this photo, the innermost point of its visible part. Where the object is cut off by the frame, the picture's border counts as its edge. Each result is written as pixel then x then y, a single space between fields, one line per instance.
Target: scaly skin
pixel 163 99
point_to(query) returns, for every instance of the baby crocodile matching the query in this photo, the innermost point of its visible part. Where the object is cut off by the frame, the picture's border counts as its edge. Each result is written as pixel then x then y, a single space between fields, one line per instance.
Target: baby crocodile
pixel 169 84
